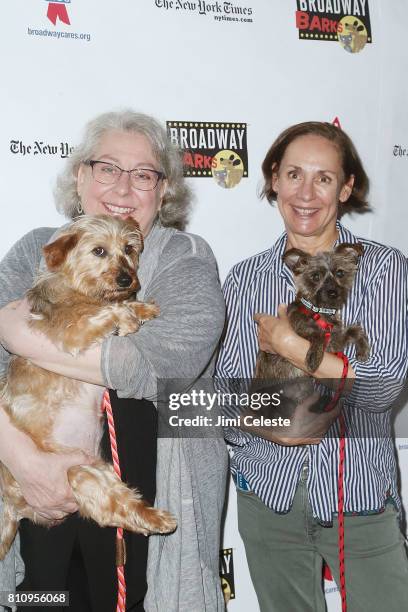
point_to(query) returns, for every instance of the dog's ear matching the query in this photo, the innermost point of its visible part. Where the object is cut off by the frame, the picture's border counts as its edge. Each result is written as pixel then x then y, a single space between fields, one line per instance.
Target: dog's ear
pixel 133 225
pixel 296 260
pixel 56 252
pixel 348 249
pixel 135 228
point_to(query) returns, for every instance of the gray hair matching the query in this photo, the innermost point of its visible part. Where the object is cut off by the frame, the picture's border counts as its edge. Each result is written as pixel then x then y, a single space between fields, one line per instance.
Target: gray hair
pixel 178 196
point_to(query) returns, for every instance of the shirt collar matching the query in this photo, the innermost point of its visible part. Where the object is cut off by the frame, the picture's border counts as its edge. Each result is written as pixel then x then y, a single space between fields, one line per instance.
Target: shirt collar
pixel 344 235
pixel 273 260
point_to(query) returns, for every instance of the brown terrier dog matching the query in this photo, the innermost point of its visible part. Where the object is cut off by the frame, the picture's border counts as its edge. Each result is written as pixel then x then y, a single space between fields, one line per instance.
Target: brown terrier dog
pixel 322 282
pixel 85 295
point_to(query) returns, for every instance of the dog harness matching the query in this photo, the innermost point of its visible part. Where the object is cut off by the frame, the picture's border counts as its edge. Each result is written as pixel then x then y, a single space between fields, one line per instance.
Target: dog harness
pixel 324 325
pixel 310 310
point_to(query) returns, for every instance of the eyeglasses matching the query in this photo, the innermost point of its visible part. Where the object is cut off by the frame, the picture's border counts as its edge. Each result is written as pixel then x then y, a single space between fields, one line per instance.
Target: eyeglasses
pixel 144 179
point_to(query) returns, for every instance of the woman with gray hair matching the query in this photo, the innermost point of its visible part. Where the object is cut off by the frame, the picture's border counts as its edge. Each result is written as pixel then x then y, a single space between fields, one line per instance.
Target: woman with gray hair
pixel 124 167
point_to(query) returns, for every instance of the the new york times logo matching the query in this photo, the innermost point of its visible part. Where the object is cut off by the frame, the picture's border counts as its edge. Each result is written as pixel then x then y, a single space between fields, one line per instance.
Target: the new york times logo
pixel 227 574
pixel 217 150
pixel 39 147
pixel 345 21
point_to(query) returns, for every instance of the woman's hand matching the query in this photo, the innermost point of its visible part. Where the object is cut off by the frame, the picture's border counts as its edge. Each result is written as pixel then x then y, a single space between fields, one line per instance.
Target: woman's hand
pixel 44 483
pixel 275 333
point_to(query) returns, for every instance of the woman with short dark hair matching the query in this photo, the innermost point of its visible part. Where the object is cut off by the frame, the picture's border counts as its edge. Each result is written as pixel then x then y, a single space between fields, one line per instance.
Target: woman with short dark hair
pixel 287 489
pixel 349 158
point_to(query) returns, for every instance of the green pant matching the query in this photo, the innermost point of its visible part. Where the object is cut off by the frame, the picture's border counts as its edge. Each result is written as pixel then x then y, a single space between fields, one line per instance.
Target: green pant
pixel 285 553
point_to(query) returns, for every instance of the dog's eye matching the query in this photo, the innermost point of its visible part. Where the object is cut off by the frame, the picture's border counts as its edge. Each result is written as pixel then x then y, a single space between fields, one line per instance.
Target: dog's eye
pixel 339 273
pixel 99 252
pixel 128 249
pixel 315 276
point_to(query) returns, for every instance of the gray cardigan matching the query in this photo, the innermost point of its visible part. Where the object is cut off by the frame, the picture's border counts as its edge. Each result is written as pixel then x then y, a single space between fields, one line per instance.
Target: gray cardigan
pixel 178 271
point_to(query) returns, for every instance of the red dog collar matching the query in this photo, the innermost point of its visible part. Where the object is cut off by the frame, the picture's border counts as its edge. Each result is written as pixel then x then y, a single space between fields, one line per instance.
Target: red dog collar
pixel 324 325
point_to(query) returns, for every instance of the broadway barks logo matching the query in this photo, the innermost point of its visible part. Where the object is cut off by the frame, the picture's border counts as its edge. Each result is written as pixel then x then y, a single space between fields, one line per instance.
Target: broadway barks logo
pixel 58 10
pixel 345 21
pixel 227 574
pixel 217 150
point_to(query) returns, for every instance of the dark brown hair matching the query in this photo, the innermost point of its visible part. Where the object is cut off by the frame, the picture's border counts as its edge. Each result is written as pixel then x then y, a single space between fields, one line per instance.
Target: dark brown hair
pixel 350 161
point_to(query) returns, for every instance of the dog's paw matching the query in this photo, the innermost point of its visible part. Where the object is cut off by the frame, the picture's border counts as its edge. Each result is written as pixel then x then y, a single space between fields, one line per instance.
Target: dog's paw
pixel 363 353
pixel 128 325
pixel 160 521
pixel 144 311
pixel 146 520
pixel 313 360
pixel 362 346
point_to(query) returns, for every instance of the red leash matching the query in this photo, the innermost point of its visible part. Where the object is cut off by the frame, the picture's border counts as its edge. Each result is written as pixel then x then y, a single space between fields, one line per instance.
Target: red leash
pixel 340 501
pixel 120 543
pixel 340 514
pixel 327 328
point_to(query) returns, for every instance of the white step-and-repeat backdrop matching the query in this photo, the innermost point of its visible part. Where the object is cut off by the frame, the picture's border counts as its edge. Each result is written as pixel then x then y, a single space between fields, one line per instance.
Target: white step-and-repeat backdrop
pixel 225 77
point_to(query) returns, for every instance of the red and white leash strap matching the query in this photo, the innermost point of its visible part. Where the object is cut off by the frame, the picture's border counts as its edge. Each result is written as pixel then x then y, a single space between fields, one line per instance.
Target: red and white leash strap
pixel 120 543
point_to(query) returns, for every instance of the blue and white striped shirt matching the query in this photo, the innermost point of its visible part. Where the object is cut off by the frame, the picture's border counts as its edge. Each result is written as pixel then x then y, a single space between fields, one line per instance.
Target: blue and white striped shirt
pixel 378 301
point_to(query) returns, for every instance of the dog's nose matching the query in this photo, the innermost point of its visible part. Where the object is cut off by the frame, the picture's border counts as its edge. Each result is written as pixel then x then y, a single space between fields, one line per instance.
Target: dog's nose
pixel 124 279
pixel 332 293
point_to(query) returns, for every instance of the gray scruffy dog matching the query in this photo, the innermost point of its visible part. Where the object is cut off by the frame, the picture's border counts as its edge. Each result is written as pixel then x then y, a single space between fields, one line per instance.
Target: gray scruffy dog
pixel 322 282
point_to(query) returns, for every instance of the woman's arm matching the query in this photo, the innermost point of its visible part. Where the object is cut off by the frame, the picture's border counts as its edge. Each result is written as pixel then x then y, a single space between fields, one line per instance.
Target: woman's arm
pixel 277 336
pixel 17 272
pixel 19 339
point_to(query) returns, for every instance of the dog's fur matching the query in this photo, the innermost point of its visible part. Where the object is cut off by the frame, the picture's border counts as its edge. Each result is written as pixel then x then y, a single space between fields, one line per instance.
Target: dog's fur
pixel 84 296
pixel 324 280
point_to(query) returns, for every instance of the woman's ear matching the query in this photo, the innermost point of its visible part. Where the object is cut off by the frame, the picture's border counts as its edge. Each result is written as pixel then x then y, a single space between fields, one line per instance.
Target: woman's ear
pixel 346 190
pixel 80 178
pixel 274 177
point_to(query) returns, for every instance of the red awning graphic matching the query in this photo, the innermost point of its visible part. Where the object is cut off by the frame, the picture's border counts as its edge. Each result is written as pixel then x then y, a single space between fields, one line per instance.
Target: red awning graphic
pixel 58 11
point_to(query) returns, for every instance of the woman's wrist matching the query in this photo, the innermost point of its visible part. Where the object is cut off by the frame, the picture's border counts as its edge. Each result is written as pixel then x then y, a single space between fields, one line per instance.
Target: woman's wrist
pixel 295 348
